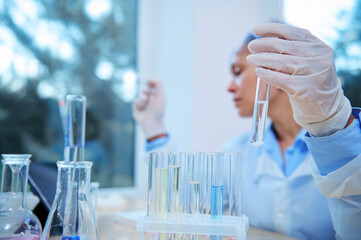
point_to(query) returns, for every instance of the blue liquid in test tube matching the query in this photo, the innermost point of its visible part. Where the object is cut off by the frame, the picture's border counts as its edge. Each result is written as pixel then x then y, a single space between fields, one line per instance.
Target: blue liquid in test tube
pixel 70 238
pixel 217 176
pixel 216 201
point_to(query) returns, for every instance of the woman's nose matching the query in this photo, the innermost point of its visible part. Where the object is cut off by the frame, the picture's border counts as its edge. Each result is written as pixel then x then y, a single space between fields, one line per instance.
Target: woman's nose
pixel 235 83
pixel 232 87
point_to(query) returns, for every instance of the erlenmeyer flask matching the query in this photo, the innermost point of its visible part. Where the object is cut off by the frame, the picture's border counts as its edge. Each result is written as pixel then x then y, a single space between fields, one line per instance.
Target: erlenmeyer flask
pixel 72 216
pixel 16 220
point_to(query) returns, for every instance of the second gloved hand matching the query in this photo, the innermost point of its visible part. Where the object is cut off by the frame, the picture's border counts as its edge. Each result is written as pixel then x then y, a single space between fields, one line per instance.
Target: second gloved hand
pixel 148 110
pixel 300 64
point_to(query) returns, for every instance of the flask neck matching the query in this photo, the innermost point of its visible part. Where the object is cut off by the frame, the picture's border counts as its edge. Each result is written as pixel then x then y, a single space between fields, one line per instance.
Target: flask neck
pixel 14 180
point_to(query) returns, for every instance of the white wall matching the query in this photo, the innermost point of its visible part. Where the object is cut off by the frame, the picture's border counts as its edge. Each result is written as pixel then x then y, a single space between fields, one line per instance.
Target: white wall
pixel 188 45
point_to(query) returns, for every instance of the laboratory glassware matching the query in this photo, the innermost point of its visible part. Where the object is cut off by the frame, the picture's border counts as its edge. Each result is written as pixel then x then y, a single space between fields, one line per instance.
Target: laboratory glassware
pixel 175 163
pixel 160 184
pixel 260 113
pixel 194 164
pixel 217 184
pixel 72 216
pixel 16 220
pixel 194 220
pixel 158 189
pixel 235 186
pixel 75 128
pixel 205 187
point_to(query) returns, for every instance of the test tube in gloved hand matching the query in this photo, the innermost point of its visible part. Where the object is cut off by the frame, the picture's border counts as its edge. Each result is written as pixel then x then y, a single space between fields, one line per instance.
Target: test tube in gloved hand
pixel 260 113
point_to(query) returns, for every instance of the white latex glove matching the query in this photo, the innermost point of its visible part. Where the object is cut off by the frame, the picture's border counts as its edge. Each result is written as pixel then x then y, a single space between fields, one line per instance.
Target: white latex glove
pixel 300 64
pixel 148 109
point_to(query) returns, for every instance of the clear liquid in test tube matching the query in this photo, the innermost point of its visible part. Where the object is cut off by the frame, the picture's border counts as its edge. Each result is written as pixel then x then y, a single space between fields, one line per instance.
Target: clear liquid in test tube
pixel 194 161
pixel 260 113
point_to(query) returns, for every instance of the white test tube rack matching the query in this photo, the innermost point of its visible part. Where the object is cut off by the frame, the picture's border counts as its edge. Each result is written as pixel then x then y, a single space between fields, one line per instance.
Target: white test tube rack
pixel 205 225
pixel 157 222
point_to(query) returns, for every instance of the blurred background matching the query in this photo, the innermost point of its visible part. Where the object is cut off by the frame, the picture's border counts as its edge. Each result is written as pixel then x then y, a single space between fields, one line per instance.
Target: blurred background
pixel 102 48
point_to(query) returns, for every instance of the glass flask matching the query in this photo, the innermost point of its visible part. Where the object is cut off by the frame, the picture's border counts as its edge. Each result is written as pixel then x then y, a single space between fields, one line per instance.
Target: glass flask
pixel 16 220
pixel 72 216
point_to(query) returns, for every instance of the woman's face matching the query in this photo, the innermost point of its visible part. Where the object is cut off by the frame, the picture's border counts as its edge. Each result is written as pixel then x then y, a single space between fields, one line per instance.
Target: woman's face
pixel 243 84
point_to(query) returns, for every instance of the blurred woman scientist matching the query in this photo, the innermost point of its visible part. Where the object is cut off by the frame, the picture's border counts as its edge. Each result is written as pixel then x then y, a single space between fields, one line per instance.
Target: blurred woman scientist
pixel 311 147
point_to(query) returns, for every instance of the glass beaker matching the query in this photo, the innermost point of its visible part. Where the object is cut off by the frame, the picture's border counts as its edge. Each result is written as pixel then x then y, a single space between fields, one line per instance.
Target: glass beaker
pixel 72 216
pixel 16 220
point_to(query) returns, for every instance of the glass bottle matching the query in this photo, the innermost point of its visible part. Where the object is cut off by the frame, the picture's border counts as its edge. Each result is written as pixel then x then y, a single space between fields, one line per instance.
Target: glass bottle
pixel 72 216
pixel 16 220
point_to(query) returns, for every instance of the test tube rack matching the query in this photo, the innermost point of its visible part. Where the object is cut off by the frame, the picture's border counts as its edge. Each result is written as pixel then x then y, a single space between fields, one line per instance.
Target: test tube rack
pixel 204 225
pixel 197 219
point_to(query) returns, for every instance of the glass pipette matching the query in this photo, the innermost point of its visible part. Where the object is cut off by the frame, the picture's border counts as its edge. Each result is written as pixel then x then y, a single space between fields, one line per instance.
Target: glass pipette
pixel 260 113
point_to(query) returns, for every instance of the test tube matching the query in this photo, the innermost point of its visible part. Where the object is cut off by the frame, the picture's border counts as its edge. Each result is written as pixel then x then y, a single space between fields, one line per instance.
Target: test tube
pixel 175 161
pixel 151 175
pixel 75 128
pixel 217 184
pixel 235 186
pixel 260 113
pixel 175 167
pixel 161 185
pixel 205 187
pixel 194 160
pixel 217 181
pixel 158 189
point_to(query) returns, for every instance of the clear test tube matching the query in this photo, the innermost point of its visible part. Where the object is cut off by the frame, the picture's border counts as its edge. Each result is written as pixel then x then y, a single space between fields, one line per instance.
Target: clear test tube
pixel 205 187
pixel 183 186
pixel 175 163
pixel 151 182
pixel 236 184
pixel 194 160
pixel 260 113
pixel 75 128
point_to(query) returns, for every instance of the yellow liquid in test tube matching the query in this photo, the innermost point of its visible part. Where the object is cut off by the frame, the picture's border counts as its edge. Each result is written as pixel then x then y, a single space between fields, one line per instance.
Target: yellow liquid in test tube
pixel 160 199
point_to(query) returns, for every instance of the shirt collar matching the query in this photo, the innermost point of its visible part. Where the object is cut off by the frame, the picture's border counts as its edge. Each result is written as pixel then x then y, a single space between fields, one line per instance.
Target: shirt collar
pixel 270 138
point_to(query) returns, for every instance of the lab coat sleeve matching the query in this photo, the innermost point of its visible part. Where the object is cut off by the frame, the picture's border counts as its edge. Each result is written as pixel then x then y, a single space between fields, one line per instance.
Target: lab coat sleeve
pixel 337 172
pixel 163 144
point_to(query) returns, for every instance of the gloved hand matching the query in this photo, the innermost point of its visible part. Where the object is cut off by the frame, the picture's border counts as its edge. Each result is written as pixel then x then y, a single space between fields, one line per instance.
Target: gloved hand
pixel 148 109
pixel 300 64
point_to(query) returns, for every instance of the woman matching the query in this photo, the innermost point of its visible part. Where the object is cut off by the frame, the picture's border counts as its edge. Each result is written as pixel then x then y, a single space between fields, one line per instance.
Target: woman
pixel 280 193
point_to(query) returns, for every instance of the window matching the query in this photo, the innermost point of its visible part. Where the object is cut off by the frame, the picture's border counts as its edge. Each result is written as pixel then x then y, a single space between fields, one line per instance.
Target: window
pixel 337 23
pixel 52 48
